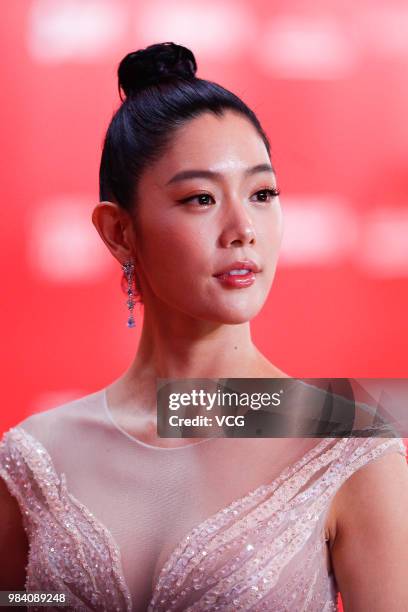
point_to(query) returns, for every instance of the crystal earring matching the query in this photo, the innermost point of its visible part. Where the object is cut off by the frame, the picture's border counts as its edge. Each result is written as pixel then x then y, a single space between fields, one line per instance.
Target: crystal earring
pixel 129 268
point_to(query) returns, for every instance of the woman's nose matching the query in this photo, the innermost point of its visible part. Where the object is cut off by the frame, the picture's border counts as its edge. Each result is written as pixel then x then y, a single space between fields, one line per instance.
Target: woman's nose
pixel 238 229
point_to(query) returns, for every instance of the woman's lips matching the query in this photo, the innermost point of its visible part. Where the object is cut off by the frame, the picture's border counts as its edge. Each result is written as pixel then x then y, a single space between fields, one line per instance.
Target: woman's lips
pixel 237 281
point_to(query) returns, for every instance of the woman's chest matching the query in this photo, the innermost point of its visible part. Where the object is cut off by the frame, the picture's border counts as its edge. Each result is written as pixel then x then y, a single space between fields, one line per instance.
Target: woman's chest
pixel 175 523
pixel 180 539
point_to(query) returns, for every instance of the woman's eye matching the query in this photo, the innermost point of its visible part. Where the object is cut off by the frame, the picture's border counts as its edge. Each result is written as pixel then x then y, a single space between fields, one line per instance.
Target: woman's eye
pixel 202 198
pixel 267 193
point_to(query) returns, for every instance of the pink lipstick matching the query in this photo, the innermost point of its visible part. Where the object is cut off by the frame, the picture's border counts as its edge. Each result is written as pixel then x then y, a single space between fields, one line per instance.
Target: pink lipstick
pixel 238 274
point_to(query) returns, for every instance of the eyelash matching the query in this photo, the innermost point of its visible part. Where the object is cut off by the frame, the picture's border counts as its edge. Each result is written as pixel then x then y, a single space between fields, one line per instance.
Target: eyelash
pixel 274 192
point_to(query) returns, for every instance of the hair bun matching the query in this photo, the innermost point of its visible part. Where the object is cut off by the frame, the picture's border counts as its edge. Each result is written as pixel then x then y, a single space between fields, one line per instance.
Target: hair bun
pixel 144 67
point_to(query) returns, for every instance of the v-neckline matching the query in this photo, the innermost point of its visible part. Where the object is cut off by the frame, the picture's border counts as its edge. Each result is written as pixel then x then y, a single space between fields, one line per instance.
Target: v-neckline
pixel 186 539
pixel 157 574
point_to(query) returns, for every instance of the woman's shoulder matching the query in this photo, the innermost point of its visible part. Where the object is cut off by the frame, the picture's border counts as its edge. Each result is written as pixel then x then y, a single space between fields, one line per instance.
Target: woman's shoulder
pixel 29 453
pixel 367 469
pixel 59 429
pixel 369 527
pixel 46 444
pixel 67 417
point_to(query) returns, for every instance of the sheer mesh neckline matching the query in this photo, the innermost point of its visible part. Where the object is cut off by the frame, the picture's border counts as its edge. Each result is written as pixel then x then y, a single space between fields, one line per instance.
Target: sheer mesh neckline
pixel 152 447
pixel 140 442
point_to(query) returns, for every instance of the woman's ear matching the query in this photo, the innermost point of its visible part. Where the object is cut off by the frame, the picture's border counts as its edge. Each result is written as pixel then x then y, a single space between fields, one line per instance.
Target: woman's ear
pixel 114 226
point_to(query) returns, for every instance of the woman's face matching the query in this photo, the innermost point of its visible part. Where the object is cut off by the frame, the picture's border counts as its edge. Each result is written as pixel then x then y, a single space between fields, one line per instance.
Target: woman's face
pixel 189 228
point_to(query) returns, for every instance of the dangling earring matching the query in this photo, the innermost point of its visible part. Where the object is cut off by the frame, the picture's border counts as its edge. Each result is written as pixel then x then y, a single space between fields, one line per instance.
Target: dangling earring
pixel 128 268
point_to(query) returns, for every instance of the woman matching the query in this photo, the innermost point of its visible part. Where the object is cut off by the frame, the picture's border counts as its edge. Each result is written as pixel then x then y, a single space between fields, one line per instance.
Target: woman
pixel 120 519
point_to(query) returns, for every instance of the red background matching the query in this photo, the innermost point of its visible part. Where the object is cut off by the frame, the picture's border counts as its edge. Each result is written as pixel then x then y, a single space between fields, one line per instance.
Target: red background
pixel 329 85
pixel 328 82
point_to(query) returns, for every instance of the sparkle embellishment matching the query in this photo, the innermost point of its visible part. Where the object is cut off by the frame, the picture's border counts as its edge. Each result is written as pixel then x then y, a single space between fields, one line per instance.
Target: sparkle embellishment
pixel 265 551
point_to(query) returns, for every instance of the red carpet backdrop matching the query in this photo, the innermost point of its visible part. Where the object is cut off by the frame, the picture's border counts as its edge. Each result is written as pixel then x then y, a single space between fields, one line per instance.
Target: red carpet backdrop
pixel 328 82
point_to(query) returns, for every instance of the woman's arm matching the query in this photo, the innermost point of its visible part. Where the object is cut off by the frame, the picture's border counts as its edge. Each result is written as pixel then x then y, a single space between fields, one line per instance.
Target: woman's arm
pixel 13 543
pixel 370 549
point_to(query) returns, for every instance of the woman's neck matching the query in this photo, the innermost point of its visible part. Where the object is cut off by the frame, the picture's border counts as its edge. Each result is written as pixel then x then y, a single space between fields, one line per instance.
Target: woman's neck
pixel 181 347
pixel 207 350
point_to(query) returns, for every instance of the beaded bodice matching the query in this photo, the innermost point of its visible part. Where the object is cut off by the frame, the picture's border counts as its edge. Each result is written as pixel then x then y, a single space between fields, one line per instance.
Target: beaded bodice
pixel 264 551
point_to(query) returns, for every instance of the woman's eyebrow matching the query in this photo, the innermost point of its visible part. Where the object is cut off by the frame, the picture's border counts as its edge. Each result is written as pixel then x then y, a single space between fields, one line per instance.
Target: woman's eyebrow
pixel 188 174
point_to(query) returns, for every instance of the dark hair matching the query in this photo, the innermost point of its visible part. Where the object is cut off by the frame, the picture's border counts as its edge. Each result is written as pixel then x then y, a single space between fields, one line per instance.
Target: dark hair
pixel 161 94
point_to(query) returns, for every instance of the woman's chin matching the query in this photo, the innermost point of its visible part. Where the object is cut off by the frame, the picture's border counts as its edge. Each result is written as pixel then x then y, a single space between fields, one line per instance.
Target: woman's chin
pixel 234 316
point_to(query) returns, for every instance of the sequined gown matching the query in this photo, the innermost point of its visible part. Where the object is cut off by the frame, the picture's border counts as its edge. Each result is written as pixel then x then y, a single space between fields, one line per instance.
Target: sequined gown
pixel 223 524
